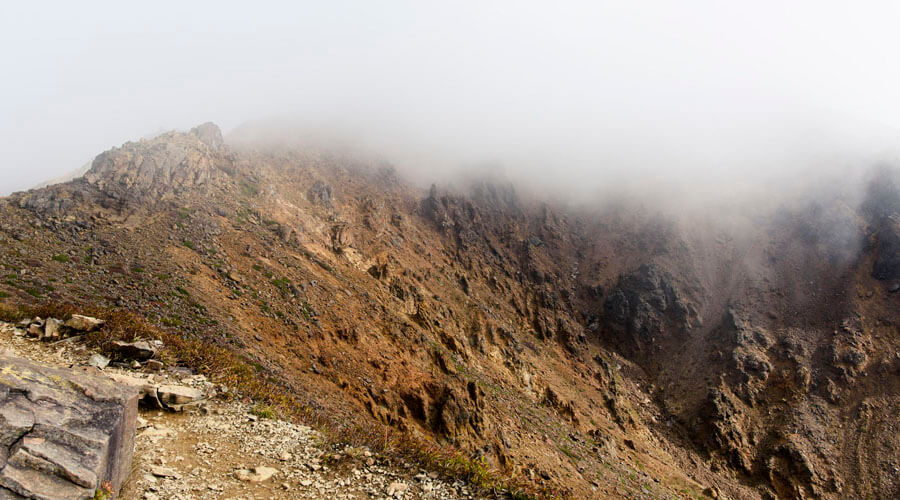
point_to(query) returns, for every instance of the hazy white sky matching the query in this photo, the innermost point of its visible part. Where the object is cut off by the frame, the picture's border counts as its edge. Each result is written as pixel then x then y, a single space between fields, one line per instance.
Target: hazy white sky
pixel 564 92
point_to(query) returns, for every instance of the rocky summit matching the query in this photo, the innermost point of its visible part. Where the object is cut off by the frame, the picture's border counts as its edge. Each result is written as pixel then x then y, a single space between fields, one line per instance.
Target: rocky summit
pixel 473 340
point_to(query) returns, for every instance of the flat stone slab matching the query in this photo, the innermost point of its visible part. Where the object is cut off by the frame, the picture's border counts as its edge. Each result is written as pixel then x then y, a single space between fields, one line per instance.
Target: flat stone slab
pixel 63 433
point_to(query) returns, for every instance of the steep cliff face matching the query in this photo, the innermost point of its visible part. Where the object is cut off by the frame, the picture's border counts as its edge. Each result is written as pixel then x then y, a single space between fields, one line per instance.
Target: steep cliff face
pixel 612 353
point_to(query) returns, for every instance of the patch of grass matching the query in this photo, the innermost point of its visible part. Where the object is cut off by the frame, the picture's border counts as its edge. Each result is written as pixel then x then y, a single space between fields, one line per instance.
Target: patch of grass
pixel 34 292
pixel 282 284
pixel 3 294
pixel 569 453
pixel 171 321
pixel 137 269
pixel 61 258
pixel 307 311
pixel 263 411
pixel 189 244
pixel 249 190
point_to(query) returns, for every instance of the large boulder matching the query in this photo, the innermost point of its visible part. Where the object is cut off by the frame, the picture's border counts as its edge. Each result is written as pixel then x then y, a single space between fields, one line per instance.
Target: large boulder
pixel 63 433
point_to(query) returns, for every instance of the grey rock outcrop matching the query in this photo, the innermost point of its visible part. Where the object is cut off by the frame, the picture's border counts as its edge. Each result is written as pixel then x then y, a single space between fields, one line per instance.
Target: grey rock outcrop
pixel 139 175
pixel 63 433
pixel 320 194
pixel 151 171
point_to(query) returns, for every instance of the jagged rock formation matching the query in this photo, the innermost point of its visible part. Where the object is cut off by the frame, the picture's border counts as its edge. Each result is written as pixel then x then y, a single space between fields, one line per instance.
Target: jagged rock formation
pixel 645 304
pixel 141 175
pixel 63 434
pixel 145 174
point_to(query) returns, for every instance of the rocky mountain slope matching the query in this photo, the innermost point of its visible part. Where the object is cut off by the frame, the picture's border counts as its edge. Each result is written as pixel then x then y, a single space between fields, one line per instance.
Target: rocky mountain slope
pixel 609 351
pixel 213 447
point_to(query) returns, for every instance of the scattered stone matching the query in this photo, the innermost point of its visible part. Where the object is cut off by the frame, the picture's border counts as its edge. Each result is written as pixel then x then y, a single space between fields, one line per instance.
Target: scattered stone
pixel 98 360
pixel 396 489
pixel 84 323
pixel 154 365
pixel 35 330
pixel 146 389
pixel 259 474
pixel 140 350
pixel 52 329
pixel 178 394
pixel 156 432
pixel 166 472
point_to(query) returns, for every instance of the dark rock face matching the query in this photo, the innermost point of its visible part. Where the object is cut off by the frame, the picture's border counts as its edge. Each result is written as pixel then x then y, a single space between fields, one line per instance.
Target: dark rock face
pixel 882 211
pixel 646 304
pixel 63 433
pixel 433 209
pixel 887 261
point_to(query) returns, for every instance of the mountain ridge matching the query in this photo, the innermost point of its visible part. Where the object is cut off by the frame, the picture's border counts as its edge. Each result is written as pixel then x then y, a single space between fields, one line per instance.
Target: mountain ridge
pixel 605 352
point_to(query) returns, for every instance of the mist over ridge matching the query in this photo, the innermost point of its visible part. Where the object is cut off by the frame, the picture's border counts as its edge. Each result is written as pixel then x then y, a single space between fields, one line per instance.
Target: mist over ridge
pixel 577 101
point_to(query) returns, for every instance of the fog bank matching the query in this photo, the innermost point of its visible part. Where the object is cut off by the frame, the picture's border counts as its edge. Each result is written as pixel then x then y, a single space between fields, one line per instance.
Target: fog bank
pixel 578 98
